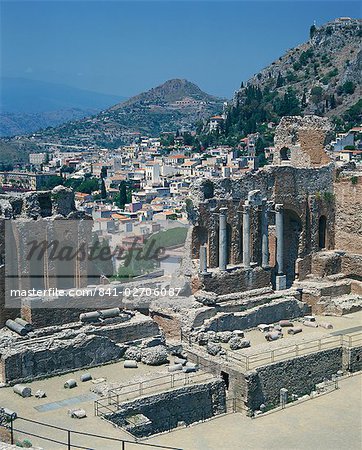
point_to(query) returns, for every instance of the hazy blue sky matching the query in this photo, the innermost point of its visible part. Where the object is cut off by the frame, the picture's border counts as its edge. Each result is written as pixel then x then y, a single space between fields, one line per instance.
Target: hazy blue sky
pixel 124 47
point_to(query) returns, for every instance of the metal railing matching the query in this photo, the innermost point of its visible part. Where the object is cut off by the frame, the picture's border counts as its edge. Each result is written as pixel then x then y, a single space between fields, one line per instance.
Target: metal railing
pixel 255 360
pixel 68 440
pixel 111 403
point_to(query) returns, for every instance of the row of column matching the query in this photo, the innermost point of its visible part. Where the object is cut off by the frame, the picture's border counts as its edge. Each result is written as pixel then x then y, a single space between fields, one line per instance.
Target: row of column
pixel 223 250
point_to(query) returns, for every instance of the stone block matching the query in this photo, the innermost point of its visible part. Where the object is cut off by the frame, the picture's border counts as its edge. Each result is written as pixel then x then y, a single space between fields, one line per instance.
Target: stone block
pixel 280 282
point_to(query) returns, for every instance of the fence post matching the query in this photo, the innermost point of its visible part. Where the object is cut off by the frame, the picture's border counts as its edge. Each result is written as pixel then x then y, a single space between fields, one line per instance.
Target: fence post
pixel 296 350
pixel 272 356
pixel 11 430
pixel 69 445
pixel 319 344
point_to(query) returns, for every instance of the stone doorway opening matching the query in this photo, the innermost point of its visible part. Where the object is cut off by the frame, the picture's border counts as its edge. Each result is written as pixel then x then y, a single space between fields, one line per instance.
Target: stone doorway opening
pixel 226 378
pixel 292 232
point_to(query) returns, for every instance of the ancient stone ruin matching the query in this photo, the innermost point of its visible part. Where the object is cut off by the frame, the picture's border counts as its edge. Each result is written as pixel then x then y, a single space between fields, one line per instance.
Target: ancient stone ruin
pixel 266 253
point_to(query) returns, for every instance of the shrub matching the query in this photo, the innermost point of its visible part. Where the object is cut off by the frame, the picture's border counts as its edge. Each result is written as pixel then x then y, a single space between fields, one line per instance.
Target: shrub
pixel 348 87
pixel 354 179
pixel 328 196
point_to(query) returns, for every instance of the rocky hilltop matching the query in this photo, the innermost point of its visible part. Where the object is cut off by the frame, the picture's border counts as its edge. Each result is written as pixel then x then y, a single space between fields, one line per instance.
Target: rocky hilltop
pixel 329 59
pixel 167 93
pixel 322 76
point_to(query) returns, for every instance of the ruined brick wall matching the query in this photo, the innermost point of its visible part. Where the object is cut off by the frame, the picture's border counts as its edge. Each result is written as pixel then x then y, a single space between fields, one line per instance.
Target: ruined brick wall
pixel 348 235
pixel 29 362
pixel 236 281
pixel 298 375
pixel 169 323
pixel 307 196
pixel 27 217
pixel 352 265
pixel 299 141
pixel 188 404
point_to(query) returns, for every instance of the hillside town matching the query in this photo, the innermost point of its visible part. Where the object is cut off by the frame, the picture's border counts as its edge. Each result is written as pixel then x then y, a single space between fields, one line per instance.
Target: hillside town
pixel 183 272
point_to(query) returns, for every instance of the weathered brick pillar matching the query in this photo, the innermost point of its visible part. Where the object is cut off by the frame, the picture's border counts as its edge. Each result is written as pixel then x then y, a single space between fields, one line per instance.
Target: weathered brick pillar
pixel 246 235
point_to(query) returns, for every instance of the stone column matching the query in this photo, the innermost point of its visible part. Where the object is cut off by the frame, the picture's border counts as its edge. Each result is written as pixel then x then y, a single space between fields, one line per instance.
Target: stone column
pixel 246 235
pixel 223 251
pixel 279 225
pixel 203 259
pixel 281 281
pixel 264 234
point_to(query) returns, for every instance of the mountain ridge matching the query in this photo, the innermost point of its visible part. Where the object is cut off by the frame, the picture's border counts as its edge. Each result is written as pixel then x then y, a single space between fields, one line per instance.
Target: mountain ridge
pixel 175 104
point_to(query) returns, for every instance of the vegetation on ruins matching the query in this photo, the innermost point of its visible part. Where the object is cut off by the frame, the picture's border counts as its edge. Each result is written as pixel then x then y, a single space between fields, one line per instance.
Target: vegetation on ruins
pixel 86 185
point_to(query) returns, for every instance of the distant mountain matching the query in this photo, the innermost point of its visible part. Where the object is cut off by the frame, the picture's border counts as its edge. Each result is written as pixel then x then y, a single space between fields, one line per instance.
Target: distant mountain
pixel 323 76
pixel 168 107
pixel 29 105
pixel 169 92
pixel 13 124
pixel 21 95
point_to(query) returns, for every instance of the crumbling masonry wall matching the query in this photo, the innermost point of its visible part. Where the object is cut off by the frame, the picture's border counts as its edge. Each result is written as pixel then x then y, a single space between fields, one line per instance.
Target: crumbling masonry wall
pixel 41 216
pixel 298 375
pixel 188 404
pixel 305 193
pixel 58 356
pixel 300 141
pixel 348 192
pixel 268 313
pixel 58 349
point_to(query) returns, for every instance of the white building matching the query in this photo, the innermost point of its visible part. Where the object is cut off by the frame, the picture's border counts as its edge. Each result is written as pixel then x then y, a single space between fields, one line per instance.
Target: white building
pixel 37 158
pixel 152 173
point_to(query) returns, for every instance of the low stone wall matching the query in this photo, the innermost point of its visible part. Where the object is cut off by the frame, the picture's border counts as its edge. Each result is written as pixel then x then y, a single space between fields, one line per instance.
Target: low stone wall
pixel 188 404
pixel 267 313
pixel 326 263
pixel 298 375
pixel 352 265
pixel 51 357
pixel 43 312
pixel 303 267
pixel 197 316
pixel 134 329
pixel 236 377
pixel 239 280
pixel 57 349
